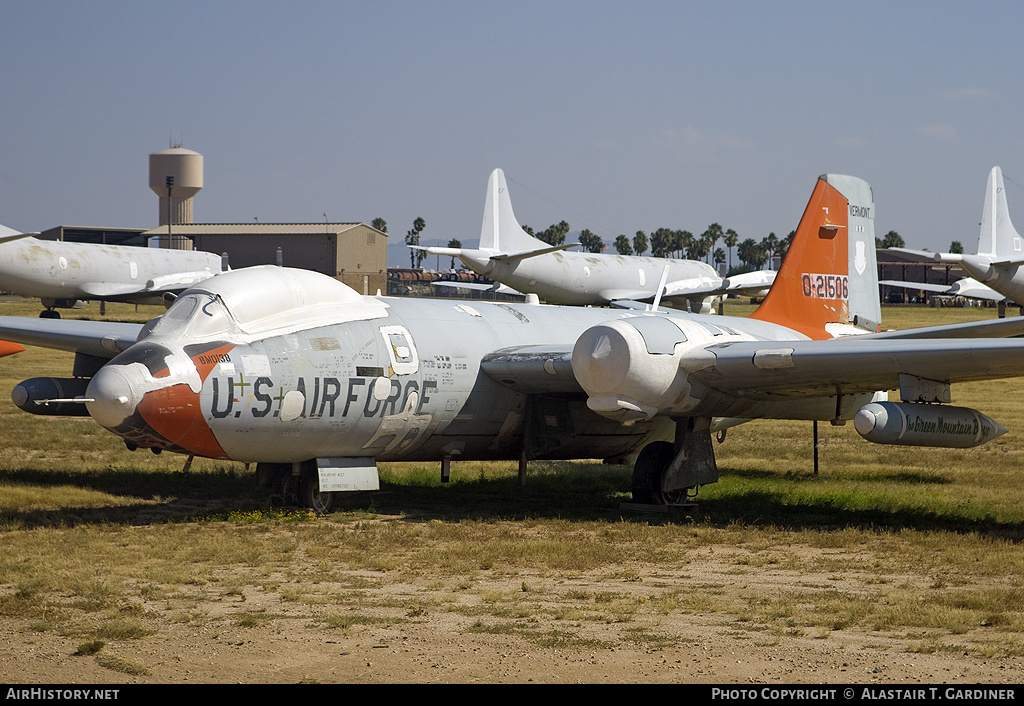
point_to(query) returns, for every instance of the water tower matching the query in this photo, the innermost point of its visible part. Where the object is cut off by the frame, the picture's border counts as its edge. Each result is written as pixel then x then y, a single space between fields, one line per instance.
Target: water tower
pixel 176 175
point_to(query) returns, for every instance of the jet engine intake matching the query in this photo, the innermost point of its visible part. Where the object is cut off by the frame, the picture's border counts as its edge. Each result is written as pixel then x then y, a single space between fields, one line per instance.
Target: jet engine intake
pixel 630 368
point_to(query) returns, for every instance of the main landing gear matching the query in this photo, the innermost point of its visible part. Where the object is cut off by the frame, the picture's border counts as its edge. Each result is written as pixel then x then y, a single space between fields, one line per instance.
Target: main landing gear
pixel 666 472
pixel 295 485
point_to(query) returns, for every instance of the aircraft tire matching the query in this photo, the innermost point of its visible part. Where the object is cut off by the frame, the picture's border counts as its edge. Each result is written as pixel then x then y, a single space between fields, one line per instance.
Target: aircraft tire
pixel 309 491
pixel 49 314
pixel 650 466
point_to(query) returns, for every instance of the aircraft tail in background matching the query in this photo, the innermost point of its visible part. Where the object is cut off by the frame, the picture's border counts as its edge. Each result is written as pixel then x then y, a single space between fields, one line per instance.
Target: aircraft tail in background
pixel 998 239
pixel 500 232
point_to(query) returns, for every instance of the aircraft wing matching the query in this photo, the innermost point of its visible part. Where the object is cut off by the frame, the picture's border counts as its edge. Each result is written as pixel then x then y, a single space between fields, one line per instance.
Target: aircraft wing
pixel 677 291
pixel 102 339
pixel 792 369
pixel 766 370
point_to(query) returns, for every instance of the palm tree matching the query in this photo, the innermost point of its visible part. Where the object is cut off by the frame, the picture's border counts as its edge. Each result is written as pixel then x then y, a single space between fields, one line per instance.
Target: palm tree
pixel 892 239
pixel 661 242
pixel 731 238
pixel 380 224
pixel 718 257
pixel 591 241
pixel 412 237
pixel 640 242
pixel 771 245
pixel 623 246
pixel 555 235
pixel 684 242
pixel 710 238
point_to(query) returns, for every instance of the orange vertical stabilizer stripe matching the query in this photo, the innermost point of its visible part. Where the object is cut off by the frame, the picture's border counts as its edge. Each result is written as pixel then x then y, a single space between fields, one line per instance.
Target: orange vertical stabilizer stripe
pixel 811 287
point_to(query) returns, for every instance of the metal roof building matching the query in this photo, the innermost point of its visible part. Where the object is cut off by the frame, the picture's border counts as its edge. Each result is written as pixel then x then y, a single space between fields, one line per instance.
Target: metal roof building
pixel 354 253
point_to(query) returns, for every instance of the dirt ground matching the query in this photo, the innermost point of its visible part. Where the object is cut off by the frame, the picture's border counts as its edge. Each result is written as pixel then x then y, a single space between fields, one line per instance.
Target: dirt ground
pixel 442 645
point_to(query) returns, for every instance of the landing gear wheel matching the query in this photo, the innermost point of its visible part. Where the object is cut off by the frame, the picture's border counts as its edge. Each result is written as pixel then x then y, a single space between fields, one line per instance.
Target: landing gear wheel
pixel 49 314
pixel 309 494
pixel 648 471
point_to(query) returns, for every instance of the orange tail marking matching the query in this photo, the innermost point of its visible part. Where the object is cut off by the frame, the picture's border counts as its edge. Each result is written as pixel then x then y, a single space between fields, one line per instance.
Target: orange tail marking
pixel 811 288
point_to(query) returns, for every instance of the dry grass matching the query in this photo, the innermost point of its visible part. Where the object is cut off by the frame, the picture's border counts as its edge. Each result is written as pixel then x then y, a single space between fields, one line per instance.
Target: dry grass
pixel 921 546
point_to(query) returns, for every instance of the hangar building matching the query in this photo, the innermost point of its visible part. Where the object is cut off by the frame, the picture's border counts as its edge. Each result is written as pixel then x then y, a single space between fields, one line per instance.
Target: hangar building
pixel 353 253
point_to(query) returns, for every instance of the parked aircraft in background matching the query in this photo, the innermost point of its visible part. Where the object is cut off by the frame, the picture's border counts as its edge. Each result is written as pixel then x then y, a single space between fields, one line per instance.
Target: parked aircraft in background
pixel 510 255
pixel 996 272
pixel 315 383
pixel 62 273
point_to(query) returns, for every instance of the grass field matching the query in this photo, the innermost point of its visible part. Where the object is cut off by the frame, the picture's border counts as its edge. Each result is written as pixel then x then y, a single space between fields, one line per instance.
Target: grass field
pixel 103 546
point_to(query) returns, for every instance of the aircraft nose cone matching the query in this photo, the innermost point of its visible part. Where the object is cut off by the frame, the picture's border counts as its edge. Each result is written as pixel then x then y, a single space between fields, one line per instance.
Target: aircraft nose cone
pixel 113 397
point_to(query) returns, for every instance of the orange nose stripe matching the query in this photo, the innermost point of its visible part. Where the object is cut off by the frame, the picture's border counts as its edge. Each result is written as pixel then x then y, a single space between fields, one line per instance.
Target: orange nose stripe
pixel 174 414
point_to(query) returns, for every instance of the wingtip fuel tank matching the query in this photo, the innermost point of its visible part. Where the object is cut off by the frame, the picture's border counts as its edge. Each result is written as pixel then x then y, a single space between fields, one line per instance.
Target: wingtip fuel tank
pixel 911 424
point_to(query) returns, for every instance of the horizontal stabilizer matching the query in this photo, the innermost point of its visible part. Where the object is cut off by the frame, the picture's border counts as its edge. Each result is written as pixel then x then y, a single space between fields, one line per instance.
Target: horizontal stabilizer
pixel 532 253
pixel 916 255
pixel 178 281
pixel 104 290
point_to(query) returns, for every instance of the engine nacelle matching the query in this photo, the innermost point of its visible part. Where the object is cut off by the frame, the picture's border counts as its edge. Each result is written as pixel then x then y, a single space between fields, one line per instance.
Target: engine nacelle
pixel 630 368
pixel 911 424
pixel 34 395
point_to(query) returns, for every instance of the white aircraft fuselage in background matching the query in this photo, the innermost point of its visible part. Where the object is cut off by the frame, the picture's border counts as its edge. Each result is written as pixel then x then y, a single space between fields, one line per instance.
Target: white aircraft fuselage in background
pixel 510 255
pixel 62 273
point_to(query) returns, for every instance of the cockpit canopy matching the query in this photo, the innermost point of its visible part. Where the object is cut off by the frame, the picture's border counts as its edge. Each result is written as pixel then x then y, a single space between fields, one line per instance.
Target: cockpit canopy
pixel 265 300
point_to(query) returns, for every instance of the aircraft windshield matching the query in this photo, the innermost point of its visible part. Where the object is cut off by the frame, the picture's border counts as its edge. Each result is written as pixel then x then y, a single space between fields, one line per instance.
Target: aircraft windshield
pixel 196 314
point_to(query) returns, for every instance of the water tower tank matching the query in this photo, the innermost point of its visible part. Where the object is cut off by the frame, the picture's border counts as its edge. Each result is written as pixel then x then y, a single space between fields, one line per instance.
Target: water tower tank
pixel 176 175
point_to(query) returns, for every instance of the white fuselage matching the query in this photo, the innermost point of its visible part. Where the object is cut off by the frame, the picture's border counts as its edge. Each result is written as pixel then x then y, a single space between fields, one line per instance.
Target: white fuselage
pixel 585 278
pixel 56 270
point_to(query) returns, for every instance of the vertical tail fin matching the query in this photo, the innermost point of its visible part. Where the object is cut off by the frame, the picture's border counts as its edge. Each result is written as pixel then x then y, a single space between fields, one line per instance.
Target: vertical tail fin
pixel 828 283
pixel 998 238
pixel 500 231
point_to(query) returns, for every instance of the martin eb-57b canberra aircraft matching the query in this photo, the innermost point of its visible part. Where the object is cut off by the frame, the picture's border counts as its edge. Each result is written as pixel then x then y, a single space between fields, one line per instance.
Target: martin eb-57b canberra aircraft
pixel 316 384
pixel 62 273
pixel 510 255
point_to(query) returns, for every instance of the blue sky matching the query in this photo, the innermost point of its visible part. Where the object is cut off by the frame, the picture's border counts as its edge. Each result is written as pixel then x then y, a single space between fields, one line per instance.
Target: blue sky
pixel 614 116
